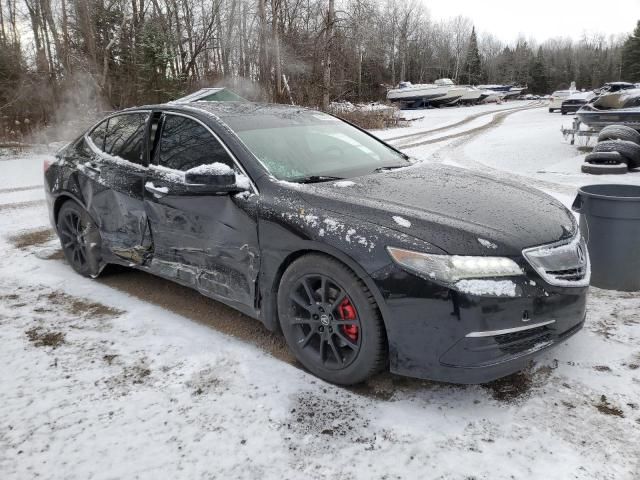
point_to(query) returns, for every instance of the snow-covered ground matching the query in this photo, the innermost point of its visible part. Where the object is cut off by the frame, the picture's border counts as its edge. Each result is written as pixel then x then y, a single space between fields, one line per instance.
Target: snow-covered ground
pixel 134 377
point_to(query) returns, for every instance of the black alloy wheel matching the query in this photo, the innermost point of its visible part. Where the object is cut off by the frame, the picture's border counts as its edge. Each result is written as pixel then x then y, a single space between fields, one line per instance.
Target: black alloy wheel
pixel 330 320
pixel 327 323
pixel 80 240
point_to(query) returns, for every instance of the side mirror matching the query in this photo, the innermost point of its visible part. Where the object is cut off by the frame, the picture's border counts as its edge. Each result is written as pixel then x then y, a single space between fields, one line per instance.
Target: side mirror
pixel 211 179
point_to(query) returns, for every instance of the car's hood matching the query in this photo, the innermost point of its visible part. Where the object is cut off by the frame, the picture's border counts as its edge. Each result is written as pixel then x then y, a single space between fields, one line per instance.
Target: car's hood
pixel 456 210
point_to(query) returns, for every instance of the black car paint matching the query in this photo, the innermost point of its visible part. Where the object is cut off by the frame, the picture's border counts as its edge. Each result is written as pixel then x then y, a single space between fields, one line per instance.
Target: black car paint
pixel 235 247
pixel 572 106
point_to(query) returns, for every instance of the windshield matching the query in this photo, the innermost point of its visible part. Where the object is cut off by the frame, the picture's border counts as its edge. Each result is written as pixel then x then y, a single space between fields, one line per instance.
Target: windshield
pixel 298 145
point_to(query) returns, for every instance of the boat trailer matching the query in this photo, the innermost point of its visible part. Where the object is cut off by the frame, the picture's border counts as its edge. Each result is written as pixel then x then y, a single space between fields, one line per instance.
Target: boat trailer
pixel 576 131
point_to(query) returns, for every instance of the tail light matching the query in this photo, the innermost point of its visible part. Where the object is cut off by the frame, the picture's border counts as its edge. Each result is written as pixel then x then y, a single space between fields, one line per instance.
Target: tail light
pixel 46 164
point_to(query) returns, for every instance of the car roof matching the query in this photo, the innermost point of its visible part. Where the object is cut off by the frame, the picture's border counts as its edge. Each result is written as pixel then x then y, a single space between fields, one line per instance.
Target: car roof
pixel 226 109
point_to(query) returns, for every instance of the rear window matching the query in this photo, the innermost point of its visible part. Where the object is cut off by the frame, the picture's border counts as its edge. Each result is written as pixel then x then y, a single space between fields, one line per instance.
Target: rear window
pixel 97 135
pixel 561 93
pixel 125 137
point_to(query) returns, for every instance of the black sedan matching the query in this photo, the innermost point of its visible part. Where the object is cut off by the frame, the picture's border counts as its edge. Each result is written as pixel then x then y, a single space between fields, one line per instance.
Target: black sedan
pixel 364 259
pixel 575 102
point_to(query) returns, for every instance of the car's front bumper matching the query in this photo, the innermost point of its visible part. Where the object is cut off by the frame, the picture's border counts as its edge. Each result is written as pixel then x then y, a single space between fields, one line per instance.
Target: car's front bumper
pixel 440 334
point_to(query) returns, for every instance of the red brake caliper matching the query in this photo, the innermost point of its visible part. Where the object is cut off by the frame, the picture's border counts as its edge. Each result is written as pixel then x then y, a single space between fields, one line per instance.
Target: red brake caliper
pixel 346 311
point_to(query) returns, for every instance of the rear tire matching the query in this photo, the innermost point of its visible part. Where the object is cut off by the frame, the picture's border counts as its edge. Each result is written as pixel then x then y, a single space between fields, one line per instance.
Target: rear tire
pixel 330 320
pixel 629 150
pixel 619 132
pixel 80 240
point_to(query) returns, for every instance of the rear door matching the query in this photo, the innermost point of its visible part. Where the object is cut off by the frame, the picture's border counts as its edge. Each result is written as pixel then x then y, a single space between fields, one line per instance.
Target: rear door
pixel 209 242
pixel 121 167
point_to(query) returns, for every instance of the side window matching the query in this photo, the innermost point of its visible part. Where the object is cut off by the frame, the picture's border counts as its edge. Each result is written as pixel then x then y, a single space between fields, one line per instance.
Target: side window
pixel 125 137
pixel 185 144
pixel 98 134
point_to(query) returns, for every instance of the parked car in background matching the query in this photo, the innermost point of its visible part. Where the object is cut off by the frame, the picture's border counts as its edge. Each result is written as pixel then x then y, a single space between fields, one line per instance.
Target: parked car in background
pixel 363 259
pixel 557 98
pixel 575 102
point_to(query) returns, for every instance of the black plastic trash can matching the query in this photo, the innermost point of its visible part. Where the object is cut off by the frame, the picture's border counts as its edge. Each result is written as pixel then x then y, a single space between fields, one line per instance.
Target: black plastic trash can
pixel 610 223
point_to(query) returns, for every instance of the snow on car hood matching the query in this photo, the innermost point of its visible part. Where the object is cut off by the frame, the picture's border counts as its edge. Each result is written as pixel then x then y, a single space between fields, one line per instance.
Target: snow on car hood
pixel 451 208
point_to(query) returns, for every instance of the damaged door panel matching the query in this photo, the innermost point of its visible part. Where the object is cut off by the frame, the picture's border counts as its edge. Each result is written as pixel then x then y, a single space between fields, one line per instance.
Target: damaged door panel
pixel 208 241
pixel 122 167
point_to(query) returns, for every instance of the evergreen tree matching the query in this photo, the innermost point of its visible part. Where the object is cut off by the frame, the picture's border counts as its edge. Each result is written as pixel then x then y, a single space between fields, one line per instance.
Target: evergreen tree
pixel 539 81
pixel 631 57
pixel 473 67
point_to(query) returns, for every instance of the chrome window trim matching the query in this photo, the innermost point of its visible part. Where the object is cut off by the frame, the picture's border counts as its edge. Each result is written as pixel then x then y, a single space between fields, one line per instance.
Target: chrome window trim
pixel 493 333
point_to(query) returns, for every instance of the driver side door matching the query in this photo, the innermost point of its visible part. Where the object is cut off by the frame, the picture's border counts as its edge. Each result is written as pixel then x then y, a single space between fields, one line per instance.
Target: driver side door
pixel 210 241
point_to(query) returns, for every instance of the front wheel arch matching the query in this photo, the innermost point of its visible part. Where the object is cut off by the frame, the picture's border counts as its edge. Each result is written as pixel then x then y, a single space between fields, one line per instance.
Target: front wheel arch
pixel 375 358
pixel 270 318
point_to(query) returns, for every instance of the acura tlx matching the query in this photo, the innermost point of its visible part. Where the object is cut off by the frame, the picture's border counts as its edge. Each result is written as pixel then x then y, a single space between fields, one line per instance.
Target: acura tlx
pixel 364 259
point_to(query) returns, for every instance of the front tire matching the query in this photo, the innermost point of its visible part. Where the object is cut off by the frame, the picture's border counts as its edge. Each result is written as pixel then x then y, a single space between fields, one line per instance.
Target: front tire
pixel 80 240
pixel 330 320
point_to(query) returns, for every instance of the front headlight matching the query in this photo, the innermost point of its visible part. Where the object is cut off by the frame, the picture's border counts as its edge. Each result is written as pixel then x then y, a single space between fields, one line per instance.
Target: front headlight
pixel 452 268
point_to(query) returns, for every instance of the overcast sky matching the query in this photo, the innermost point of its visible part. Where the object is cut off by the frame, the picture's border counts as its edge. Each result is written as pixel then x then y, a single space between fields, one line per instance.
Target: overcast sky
pixel 541 19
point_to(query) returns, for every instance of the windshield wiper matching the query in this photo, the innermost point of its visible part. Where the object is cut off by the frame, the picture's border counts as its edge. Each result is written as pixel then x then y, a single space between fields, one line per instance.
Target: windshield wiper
pixel 392 167
pixel 315 179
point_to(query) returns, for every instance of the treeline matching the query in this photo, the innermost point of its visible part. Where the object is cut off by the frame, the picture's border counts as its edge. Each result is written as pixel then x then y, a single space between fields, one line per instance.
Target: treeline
pixel 60 57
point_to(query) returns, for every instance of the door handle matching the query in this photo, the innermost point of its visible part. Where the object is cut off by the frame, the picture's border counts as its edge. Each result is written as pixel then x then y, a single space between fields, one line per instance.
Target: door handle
pixel 158 192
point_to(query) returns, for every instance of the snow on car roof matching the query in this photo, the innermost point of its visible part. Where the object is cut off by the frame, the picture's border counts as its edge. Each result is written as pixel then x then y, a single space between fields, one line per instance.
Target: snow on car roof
pixel 581 95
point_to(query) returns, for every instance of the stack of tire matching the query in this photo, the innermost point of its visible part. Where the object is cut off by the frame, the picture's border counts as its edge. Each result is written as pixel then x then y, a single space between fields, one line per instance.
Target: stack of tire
pixel 617 151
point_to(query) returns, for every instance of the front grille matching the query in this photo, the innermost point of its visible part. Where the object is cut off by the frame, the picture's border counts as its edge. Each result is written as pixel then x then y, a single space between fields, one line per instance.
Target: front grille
pixel 564 264
pixel 571 275
pixel 529 344
pixel 522 335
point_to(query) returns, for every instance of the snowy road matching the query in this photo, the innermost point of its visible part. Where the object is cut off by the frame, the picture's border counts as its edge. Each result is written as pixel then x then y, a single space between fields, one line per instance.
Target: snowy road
pixel 134 377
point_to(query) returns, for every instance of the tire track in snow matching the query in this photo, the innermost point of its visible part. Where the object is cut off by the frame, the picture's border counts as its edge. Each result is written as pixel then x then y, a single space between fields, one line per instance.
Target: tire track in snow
pixel 20 189
pixel 498 118
pixel 454 152
pixel 464 121
pixel 20 205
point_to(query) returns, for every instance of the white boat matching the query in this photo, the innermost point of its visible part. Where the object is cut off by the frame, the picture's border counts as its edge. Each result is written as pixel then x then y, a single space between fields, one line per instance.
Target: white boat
pixel 621 107
pixel 454 93
pixel 515 91
pixel 410 93
pixel 491 96
pixel 442 92
pixel 495 88
pixel 505 90
pixel 471 94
